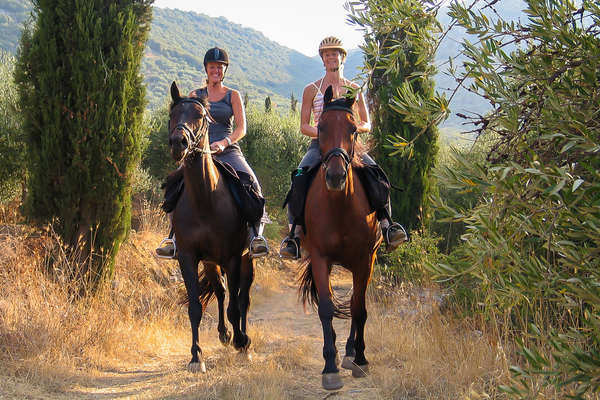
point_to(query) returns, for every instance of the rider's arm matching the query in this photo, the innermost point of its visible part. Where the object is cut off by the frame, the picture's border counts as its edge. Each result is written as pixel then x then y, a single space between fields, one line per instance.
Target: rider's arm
pixel 307 100
pixel 239 118
pixel 364 126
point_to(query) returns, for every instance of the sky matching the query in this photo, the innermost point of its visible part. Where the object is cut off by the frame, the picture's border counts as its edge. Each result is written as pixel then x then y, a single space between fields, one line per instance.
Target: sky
pixel 299 25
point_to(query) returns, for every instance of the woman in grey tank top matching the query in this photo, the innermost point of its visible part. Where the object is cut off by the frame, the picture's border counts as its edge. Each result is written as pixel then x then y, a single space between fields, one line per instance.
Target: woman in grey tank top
pixel 227 111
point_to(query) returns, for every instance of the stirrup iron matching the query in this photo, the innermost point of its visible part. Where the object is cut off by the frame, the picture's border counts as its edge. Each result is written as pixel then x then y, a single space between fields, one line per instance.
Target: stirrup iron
pixel 168 240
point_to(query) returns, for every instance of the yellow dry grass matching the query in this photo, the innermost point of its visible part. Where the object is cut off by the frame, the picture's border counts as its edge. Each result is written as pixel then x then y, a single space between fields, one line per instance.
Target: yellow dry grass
pixel 132 340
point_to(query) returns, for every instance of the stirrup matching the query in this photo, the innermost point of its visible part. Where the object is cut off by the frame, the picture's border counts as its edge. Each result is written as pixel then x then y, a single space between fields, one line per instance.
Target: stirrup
pixel 263 252
pixel 295 241
pixel 386 235
pixel 167 240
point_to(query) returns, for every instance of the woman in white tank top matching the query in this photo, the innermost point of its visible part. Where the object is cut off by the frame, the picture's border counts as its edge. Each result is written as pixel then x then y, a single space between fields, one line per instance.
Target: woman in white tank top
pixel 333 54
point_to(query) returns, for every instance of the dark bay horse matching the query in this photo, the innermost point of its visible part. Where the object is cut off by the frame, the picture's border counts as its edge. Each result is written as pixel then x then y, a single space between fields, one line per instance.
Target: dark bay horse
pixel 208 228
pixel 341 229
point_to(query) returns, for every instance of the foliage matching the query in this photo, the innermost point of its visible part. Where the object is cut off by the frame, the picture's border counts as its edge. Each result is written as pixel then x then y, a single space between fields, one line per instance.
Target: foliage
pixel 12 143
pixel 273 147
pixel 408 262
pixel 530 256
pixel 398 58
pixel 83 100
pixel 156 157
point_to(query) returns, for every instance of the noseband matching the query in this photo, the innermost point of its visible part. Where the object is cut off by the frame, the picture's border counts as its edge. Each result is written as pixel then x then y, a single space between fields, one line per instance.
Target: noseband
pixel 338 151
pixel 193 138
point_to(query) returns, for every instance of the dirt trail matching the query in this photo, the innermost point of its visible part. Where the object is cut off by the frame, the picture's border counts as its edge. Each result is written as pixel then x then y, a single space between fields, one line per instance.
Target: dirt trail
pixel 286 357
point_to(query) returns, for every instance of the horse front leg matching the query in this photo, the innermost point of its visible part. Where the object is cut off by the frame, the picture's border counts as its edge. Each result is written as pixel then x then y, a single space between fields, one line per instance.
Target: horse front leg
pixel 189 271
pixel 213 273
pixel 360 280
pixel 330 379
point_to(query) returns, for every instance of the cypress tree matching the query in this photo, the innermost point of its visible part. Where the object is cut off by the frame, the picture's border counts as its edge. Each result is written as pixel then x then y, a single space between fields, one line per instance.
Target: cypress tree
pixel 399 42
pixel 83 100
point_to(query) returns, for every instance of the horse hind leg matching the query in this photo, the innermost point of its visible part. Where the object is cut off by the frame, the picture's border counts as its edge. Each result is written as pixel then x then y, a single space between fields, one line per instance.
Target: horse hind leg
pixel 360 365
pixel 246 279
pixel 213 273
pixel 189 271
pixel 348 361
pixel 240 339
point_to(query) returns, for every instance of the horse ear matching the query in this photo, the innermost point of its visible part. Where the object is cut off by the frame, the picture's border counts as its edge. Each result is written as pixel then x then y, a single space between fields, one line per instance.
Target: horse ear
pixel 350 101
pixel 328 95
pixel 175 92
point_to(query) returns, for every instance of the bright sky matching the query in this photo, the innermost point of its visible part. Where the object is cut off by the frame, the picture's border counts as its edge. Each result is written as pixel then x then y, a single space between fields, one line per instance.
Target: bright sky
pixel 299 25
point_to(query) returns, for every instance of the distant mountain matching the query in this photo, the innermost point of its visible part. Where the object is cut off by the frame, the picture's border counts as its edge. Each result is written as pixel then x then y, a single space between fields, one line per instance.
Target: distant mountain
pixel 259 66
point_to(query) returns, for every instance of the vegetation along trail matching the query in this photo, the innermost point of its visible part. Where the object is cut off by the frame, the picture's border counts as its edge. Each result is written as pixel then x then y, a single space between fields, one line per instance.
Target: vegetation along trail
pixel 133 341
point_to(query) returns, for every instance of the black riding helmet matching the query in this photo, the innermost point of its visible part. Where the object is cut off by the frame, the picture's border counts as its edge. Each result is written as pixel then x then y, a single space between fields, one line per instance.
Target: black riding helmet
pixel 216 55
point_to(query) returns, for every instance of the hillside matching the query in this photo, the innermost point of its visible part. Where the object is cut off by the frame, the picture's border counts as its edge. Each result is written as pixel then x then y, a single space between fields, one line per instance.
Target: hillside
pixel 259 66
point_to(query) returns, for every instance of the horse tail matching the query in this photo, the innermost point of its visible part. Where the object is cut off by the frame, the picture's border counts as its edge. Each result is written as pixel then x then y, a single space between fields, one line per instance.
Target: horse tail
pixel 307 291
pixel 206 291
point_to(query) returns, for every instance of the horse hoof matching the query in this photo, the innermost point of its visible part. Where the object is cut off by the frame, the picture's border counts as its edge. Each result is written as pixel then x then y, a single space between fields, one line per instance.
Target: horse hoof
pixel 348 362
pixel 360 371
pixel 245 355
pixel 225 338
pixel 332 381
pixel 196 367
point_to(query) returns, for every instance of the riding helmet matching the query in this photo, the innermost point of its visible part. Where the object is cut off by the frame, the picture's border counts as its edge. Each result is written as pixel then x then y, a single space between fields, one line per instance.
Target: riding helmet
pixel 216 55
pixel 331 42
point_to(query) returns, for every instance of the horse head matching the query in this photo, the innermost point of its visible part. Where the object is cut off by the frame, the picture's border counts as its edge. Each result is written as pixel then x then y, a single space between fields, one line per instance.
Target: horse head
pixel 188 124
pixel 337 137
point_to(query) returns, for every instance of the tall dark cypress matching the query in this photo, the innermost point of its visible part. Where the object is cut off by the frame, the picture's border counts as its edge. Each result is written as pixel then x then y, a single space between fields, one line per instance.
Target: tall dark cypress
pixel 83 100
pixel 410 171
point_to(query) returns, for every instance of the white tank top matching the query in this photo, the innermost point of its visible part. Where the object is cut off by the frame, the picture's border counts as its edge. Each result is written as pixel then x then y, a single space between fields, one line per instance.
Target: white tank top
pixel 317 106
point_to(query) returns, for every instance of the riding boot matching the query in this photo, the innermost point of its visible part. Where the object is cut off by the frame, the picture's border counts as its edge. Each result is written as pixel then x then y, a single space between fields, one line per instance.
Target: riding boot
pixel 290 246
pixel 393 233
pixel 167 247
pixel 258 244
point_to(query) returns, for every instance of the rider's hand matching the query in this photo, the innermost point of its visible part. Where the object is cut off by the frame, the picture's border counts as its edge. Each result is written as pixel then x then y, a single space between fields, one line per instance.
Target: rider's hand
pixel 217 147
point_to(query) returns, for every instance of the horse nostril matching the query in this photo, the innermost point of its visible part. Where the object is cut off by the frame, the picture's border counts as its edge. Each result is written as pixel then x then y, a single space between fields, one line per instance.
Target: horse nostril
pixel 184 142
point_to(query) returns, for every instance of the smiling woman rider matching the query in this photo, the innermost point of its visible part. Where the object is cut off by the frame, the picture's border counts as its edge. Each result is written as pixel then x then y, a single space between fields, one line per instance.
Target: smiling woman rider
pixel 333 54
pixel 227 111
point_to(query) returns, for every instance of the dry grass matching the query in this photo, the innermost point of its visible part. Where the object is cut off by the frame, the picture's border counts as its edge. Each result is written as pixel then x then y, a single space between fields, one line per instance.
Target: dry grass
pixel 132 339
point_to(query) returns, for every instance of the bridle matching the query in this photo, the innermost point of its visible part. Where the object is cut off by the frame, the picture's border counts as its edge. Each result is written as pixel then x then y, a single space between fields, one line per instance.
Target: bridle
pixel 192 137
pixel 338 151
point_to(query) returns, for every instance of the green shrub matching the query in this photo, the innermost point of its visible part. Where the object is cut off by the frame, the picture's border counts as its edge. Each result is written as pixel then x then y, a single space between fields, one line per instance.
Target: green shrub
pixel 408 263
pixel 12 144
pixel 273 147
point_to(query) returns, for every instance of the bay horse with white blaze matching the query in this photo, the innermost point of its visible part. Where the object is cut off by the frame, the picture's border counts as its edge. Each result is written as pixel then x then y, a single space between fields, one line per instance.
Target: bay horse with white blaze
pixel 208 227
pixel 341 229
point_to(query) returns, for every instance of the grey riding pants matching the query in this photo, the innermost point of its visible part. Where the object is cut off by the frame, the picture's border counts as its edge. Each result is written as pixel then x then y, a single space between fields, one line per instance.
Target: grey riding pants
pixel 313 157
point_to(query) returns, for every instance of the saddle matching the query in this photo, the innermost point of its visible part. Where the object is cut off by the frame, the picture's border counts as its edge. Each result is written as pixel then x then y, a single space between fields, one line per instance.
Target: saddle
pixel 240 184
pixel 375 181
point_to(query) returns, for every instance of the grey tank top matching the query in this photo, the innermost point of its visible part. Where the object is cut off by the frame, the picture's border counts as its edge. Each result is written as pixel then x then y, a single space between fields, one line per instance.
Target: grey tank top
pixel 222 112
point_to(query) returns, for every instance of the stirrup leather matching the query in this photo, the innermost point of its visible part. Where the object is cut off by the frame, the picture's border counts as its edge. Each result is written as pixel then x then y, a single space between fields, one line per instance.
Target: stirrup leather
pixel 168 240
